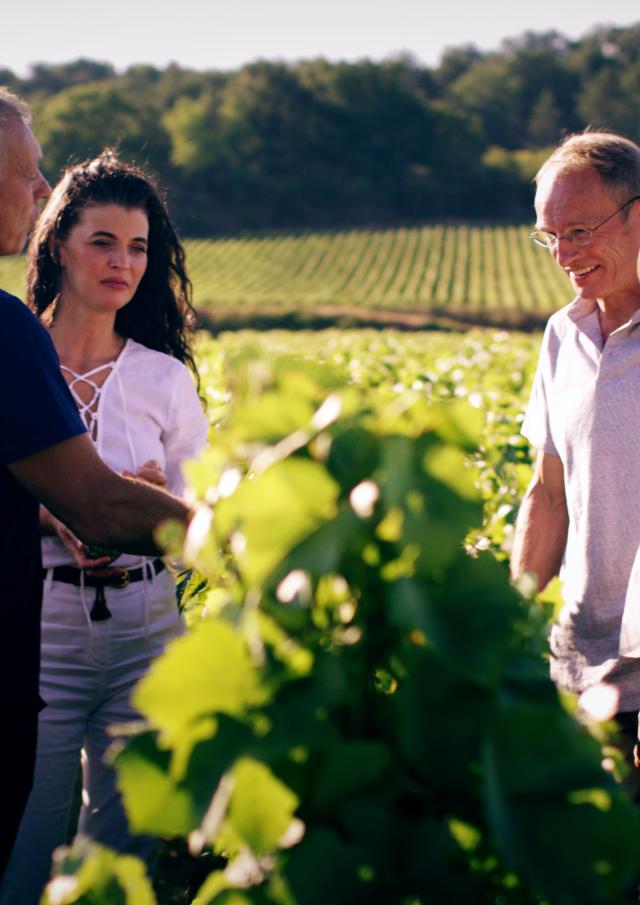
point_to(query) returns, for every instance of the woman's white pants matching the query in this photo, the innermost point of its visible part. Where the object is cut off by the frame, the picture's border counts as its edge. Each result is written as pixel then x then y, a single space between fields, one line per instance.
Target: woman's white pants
pixel 88 672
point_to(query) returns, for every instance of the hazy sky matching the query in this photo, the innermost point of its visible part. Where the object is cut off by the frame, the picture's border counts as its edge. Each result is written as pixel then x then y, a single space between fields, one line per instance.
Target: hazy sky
pixel 224 34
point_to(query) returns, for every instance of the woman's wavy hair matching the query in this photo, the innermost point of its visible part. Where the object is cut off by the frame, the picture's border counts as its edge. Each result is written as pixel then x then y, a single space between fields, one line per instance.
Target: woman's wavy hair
pixel 160 315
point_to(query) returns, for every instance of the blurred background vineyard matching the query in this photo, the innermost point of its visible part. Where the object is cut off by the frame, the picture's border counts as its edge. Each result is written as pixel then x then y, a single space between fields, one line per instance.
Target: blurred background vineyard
pixel 411 277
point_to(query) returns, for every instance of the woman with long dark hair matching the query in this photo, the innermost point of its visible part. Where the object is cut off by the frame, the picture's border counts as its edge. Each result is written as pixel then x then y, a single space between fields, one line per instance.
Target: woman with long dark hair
pixel 107 277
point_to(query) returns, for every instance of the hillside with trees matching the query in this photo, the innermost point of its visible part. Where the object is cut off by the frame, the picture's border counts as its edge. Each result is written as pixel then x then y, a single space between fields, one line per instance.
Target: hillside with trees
pixel 319 144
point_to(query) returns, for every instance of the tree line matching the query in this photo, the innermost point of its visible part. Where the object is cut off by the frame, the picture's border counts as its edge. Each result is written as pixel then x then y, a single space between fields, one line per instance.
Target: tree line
pixel 276 145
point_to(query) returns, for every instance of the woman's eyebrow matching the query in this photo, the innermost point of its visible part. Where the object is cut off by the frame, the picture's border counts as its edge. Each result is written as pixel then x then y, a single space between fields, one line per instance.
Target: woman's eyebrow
pixel 108 235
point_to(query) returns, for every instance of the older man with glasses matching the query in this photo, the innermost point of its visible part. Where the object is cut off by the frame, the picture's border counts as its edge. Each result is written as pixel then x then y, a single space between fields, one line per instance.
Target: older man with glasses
pixel 581 513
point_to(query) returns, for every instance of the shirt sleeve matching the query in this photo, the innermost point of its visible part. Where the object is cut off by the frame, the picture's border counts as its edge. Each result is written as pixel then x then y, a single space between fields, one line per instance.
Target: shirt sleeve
pixel 536 426
pixel 37 409
pixel 185 435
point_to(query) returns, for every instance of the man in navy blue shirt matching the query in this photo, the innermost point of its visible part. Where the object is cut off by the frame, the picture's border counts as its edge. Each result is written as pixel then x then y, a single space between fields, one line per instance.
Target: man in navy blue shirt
pixel 45 456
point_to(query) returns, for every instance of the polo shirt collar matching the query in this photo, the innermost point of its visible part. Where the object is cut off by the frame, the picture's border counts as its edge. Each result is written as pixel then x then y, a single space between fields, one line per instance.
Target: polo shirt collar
pixel 581 308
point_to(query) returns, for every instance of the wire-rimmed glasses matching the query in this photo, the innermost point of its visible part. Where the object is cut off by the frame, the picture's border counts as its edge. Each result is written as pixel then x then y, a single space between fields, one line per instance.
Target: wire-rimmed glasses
pixel 579 235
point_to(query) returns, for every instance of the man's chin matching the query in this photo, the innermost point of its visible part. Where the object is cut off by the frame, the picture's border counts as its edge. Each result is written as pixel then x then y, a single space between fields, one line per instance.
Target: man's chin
pixel 10 248
pixel 16 243
pixel 582 292
pixel 27 238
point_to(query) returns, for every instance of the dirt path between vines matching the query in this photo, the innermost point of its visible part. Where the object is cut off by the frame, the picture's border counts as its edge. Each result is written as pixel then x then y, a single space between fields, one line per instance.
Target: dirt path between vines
pixel 324 316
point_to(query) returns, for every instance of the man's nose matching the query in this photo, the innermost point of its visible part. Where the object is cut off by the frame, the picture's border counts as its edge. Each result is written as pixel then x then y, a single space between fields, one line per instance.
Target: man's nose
pixel 565 251
pixel 42 189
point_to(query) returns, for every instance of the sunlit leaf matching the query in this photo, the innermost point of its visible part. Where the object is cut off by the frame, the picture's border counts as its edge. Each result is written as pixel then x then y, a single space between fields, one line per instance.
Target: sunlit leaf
pixel 202 674
pixel 260 810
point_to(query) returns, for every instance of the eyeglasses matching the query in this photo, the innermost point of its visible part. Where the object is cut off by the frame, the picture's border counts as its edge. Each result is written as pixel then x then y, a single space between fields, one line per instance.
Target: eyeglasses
pixel 580 235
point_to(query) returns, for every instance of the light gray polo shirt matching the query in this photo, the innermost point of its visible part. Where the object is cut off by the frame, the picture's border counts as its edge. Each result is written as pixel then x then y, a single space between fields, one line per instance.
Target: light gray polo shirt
pixel 585 408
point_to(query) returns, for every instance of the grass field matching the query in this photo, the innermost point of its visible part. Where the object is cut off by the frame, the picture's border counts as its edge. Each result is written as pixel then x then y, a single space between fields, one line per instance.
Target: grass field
pixel 476 274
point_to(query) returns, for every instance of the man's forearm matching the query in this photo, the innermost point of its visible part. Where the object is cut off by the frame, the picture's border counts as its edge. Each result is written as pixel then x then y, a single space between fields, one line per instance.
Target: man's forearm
pixel 541 537
pixel 127 515
pixel 97 504
pixel 45 521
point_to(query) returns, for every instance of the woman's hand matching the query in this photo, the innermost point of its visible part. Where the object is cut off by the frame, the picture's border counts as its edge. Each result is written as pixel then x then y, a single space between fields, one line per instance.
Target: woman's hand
pixel 51 525
pixel 151 472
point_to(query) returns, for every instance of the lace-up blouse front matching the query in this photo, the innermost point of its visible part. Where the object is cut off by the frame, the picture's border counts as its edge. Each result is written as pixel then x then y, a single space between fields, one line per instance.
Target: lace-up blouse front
pixel 146 407
pixel 88 408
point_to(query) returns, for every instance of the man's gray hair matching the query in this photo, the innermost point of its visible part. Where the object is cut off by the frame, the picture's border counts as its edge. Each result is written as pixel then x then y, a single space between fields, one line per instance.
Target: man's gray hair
pixel 12 107
pixel 615 158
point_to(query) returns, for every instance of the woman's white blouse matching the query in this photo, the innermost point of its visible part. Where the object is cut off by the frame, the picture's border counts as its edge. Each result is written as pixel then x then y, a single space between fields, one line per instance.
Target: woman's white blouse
pixel 148 408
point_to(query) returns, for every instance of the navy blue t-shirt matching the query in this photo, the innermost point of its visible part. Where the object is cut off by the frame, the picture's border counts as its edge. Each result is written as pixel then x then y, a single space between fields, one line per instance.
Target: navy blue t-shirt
pixel 36 412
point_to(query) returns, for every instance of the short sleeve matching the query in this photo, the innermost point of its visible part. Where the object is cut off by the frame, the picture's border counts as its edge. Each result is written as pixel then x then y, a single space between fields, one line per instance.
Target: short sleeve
pixel 37 409
pixel 185 435
pixel 536 426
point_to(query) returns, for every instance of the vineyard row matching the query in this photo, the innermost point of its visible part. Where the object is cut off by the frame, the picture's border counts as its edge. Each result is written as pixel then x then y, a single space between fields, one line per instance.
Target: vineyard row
pixel 462 269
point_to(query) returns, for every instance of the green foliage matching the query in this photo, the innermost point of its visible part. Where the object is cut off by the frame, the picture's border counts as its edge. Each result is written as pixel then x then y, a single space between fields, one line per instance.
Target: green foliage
pixel 260 811
pixel 88 874
pixel 179 698
pixel 79 122
pixel 361 710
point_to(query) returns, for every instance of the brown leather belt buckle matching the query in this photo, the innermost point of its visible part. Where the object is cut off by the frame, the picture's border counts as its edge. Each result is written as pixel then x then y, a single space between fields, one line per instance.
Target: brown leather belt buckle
pixel 123 580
